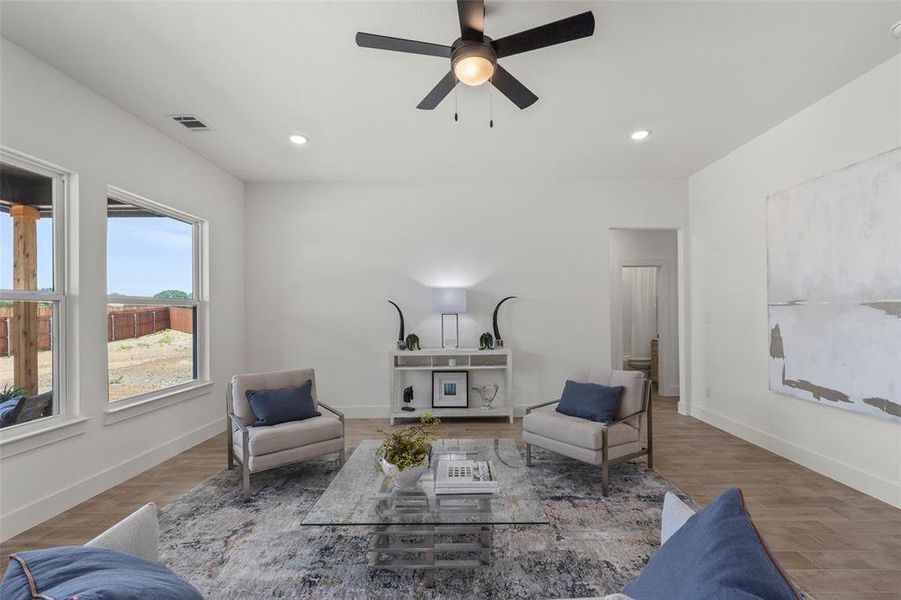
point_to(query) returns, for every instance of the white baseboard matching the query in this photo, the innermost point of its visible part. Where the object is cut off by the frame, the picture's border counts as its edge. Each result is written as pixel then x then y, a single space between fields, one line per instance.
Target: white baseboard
pixel 875 486
pixel 49 506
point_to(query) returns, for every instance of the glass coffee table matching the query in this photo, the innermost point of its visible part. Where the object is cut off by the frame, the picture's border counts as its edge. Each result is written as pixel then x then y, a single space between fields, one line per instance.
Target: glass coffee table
pixel 421 530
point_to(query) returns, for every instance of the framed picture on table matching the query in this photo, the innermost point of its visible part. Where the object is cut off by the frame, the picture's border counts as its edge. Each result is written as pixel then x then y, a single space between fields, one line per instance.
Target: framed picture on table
pixel 450 389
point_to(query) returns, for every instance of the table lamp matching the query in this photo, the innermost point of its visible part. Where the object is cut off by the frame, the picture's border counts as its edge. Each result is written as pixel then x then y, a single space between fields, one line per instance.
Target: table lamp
pixel 450 302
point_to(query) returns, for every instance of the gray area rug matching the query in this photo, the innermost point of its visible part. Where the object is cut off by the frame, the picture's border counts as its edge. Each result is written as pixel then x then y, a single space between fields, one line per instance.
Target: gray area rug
pixel 593 546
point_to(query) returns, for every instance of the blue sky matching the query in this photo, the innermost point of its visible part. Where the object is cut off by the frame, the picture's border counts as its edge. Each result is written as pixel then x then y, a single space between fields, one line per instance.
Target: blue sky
pixel 145 255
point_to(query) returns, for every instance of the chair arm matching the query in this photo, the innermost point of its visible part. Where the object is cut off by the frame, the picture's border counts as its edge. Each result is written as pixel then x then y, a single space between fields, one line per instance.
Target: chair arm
pixel 237 422
pixel 533 407
pixel 626 418
pixel 339 414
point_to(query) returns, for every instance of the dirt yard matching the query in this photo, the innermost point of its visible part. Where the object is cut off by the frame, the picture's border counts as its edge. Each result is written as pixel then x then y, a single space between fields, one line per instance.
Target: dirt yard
pixel 136 366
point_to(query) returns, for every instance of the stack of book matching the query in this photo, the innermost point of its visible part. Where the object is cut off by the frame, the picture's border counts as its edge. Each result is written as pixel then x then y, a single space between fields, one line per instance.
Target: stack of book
pixel 465 477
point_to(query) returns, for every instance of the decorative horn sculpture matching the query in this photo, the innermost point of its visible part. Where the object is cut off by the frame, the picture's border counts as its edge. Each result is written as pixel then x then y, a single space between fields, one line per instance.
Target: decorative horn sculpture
pixel 400 333
pixel 498 340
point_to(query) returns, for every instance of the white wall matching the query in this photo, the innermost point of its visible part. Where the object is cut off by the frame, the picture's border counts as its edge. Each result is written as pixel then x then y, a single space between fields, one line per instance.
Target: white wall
pixel 728 278
pixel 635 247
pixel 49 116
pixel 324 258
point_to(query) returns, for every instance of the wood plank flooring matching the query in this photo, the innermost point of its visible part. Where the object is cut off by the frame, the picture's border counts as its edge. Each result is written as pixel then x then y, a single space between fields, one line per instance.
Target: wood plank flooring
pixel 836 542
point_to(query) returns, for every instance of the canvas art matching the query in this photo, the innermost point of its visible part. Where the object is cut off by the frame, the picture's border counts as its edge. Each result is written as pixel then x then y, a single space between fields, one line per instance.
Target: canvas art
pixel 834 288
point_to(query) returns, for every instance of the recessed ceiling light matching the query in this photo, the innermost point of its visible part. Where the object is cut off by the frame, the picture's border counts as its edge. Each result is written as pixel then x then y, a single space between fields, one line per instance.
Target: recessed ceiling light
pixel 639 135
pixel 896 29
pixel 298 139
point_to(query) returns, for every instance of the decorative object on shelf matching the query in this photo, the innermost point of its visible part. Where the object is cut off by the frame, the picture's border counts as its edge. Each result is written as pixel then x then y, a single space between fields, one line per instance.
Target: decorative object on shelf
pixel 404 454
pixel 449 302
pixel 498 340
pixel 486 341
pixel 488 392
pixel 401 344
pixel 412 342
pixel 450 389
pixel 408 398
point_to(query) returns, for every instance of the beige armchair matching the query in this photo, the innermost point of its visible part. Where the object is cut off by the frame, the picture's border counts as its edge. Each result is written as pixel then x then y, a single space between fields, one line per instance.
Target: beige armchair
pixel 628 436
pixel 263 448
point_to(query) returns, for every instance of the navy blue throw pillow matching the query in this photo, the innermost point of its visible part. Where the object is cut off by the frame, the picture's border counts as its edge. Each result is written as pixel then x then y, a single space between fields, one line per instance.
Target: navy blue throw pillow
pixel 717 553
pixel 590 401
pixel 272 407
pixel 85 572
pixel 9 410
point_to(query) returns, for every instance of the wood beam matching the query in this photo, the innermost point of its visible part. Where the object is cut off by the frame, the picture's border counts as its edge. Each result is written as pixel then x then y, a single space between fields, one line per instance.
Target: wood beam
pixel 25 314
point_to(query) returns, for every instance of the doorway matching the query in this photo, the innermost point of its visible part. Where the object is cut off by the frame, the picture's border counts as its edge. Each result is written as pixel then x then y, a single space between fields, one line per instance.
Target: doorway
pixel 640 319
pixel 644 305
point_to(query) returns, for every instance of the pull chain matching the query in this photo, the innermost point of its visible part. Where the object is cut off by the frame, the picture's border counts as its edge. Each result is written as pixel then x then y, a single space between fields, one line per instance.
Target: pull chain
pixel 491 102
pixel 456 115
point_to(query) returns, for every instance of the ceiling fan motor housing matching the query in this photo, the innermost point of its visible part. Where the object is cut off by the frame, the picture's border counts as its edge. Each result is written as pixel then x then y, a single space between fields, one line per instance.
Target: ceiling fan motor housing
pixel 463 50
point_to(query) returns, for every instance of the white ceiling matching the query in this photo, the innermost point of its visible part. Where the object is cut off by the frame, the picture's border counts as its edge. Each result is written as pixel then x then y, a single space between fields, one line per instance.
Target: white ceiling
pixel 706 77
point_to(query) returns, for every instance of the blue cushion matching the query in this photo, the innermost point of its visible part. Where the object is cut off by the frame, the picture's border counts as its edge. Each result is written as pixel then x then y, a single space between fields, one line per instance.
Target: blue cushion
pixel 272 407
pixel 90 574
pixel 590 401
pixel 9 410
pixel 718 553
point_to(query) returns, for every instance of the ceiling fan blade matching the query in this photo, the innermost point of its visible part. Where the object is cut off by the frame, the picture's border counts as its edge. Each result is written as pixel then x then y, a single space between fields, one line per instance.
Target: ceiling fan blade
pixel 383 42
pixel 558 32
pixel 439 92
pixel 510 87
pixel 472 19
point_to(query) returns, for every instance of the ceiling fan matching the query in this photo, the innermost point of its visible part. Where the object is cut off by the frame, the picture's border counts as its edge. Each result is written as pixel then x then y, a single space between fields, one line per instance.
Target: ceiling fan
pixel 474 55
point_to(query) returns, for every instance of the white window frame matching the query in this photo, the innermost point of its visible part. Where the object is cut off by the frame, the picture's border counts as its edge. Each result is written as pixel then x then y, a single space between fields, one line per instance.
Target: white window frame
pixel 125 408
pixel 65 411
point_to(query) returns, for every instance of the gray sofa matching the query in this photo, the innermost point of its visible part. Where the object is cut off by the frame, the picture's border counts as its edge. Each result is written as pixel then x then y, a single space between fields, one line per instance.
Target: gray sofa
pixel 137 534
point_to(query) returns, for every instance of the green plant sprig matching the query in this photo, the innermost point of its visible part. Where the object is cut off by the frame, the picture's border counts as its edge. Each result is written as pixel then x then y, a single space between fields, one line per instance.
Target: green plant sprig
pixel 409 447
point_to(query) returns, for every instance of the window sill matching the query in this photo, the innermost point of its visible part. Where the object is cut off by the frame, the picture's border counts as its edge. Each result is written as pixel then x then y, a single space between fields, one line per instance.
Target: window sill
pixel 123 410
pixel 56 430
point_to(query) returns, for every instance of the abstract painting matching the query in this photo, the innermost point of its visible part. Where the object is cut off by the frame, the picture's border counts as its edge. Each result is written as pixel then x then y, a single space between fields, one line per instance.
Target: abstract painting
pixel 834 288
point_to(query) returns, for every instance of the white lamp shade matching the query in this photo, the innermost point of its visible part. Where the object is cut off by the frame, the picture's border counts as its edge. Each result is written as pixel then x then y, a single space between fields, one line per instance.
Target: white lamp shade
pixel 449 301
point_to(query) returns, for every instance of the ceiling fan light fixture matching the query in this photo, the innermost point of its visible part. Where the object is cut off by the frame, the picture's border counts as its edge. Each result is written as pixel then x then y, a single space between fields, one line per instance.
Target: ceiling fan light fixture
pixel 473 70
pixel 297 139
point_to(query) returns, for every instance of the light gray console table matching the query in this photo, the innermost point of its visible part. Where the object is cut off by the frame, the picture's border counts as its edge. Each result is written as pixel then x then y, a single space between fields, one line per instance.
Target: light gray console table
pixel 484 366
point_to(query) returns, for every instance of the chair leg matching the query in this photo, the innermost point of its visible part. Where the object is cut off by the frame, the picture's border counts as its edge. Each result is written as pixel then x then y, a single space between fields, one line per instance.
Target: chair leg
pixel 230 441
pixel 245 463
pixel 605 470
pixel 246 478
pixel 528 455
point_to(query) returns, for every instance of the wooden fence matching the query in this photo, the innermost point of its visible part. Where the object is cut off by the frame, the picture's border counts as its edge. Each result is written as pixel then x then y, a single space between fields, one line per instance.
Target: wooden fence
pixel 122 323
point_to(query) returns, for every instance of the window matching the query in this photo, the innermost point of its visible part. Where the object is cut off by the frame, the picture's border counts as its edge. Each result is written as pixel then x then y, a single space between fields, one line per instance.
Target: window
pixel 32 289
pixel 153 298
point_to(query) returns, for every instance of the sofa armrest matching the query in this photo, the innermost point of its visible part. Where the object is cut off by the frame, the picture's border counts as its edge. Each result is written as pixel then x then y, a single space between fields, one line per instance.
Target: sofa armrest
pixel 675 514
pixel 137 534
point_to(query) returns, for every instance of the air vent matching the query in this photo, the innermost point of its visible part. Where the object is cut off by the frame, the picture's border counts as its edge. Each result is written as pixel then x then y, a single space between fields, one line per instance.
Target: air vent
pixel 190 122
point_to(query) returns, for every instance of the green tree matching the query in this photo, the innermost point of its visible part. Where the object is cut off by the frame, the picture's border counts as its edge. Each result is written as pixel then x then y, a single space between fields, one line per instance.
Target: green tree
pixel 176 294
